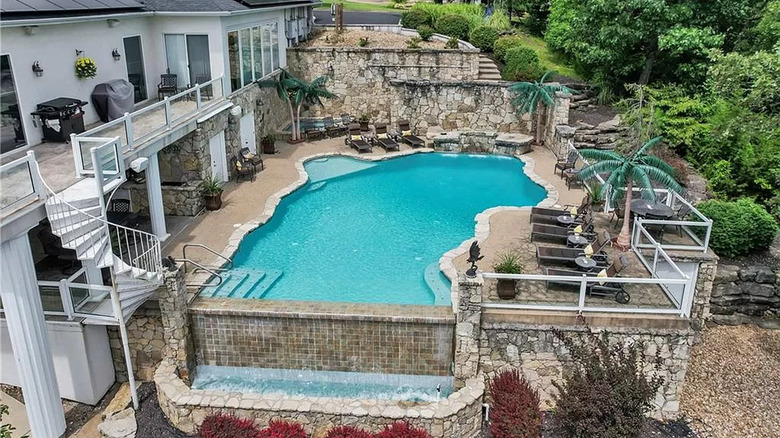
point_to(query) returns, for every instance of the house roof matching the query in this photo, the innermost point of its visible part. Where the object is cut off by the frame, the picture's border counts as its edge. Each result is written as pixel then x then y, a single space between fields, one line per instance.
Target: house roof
pixel 193 5
pixel 57 6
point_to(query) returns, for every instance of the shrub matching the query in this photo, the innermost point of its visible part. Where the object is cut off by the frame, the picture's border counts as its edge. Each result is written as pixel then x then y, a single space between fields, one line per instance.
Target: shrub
pixel 413 43
pixel 425 32
pixel 415 18
pixel 605 393
pixel 227 426
pixel 504 43
pixel 472 12
pixel 453 25
pixel 362 42
pixel 514 409
pixel 452 43
pixel 402 429
pixel 347 432
pixel 282 429
pixel 498 20
pixel 522 64
pixel 739 227
pixel 483 38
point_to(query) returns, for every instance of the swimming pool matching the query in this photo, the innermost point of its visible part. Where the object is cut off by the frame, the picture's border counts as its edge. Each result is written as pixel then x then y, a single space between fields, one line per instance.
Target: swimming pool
pixel 373 232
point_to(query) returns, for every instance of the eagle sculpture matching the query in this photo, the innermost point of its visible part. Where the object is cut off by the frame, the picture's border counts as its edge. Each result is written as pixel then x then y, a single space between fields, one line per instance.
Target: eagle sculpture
pixel 474 257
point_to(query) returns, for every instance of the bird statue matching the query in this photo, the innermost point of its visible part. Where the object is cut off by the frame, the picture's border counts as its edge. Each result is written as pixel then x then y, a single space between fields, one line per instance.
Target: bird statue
pixel 474 257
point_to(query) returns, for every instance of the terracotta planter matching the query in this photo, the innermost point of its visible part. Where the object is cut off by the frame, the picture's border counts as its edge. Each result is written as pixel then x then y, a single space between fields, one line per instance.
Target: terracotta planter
pixel 213 201
pixel 506 289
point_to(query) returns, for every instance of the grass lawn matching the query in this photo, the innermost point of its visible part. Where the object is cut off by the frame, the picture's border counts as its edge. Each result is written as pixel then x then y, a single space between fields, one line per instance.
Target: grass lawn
pixel 549 60
pixel 357 6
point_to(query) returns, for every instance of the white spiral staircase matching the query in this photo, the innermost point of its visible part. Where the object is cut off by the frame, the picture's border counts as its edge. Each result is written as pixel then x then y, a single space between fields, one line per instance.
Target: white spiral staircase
pixel 77 216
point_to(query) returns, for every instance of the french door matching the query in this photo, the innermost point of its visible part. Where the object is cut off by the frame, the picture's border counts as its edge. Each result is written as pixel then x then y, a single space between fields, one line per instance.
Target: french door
pixel 188 58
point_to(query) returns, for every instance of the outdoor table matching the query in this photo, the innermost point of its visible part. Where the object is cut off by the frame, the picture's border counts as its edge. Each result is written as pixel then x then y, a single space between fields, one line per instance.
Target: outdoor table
pixel 565 219
pixel 575 241
pixel 641 207
pixel 585 263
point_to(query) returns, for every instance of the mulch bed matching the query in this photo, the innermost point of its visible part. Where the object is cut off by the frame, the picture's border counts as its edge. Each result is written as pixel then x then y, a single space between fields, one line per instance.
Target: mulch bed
pixel 151 421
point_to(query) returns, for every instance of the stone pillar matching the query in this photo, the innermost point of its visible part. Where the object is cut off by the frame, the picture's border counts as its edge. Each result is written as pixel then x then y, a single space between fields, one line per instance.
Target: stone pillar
pixel 556 115
pixel 175 321
pixel 154 190
pixel 467 328
pixel 29 338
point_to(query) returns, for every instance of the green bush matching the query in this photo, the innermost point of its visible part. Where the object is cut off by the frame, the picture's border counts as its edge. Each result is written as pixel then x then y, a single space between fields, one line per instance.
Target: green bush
pixel 503 44
pixel 739 227
pixel 452 43
pixel 415 18
pixel 473 12
pixel 498 20
pixel 453 25
pixel 425 32
pixel 483 38
pixel 522 64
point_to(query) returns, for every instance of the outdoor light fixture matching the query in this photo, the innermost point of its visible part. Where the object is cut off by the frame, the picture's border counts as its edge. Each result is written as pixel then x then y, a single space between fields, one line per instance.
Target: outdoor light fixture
pixel 30 30
pixel 112 22
pixel 117 56
pixel 36 68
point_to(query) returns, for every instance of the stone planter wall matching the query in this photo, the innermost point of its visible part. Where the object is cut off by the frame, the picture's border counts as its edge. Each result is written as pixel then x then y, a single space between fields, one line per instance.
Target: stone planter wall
pixel 481 142
pixel 457 416
pixel 185 200
pixel 745 295
pixel 146 339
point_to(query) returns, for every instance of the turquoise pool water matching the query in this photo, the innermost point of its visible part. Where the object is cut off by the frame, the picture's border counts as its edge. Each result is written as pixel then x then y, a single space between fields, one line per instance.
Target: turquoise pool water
pixel 323 383
pixel 373 232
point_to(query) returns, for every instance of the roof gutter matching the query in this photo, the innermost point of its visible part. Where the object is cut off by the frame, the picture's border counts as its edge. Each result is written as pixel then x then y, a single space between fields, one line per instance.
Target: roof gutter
pixel 83 18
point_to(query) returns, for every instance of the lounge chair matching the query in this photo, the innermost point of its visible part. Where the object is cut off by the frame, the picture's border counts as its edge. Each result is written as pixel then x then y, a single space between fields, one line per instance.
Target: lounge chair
pixel 556 234
pixel 406 135
pixel 243 169
pixel 253 159
pixel 581 209
pixel 316 132
pixel 616 290
pixel 384 139
pixel 581 218
pixel 334 128
pixel 355 140
pixel 566 164
pixel 559 255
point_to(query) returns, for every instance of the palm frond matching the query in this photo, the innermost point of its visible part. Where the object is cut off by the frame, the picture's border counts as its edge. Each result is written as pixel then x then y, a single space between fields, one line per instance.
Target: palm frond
pixel 642 181
pixel 545 75
pixel 601 155
pixel 661 177
pixel 652 160
pixel 599 167
pixel 649 144
pixel 546 96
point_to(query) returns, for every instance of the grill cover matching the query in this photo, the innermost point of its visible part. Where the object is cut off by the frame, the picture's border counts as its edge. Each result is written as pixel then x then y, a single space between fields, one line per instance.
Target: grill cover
pixel 113 99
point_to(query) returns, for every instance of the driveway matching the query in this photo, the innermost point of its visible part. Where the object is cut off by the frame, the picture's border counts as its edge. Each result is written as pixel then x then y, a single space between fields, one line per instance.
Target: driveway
pixel 323 18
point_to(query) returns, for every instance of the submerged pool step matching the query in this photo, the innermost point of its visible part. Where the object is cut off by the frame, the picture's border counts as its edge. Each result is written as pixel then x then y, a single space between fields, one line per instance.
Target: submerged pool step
pixel 271 275
pixel 437 283
pixel 243 283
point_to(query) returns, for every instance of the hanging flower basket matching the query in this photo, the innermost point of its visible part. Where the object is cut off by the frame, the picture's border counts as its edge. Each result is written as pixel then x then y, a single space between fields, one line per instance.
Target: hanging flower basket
pixel 86 68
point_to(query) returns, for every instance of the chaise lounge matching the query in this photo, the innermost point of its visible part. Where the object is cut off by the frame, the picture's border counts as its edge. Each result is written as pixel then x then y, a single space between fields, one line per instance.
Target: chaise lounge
pixel 556 234
pixel 617 290
pixel 355 140
pixel 559 255
pixel 383 139
pixel 583 208
pixel 406 135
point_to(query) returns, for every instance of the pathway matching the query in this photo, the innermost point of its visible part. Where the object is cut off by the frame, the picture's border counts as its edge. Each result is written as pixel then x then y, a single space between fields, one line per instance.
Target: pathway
pixel 488 71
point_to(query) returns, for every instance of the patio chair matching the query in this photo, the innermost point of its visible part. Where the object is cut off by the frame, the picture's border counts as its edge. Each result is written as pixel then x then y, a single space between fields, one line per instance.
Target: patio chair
pixel 384 139
pixel 681 215
pixel 556 255
pixel 556 234
pixel 406 135
pixel 205 92
pixel 583 208
pixel 616 290
pixel 618 215
pixel 315 132
pixel 135 80
pixel 333 128
pixel 566 164
pixel 168 85
pixel 355 140
pixel 253 159
pixel 345 121
pixel 243 169
pixel 582 217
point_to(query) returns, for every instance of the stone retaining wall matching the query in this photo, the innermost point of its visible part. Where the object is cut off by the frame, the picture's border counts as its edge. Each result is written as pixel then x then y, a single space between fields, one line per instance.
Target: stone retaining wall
pixel 742 295
pixel 147 342
pixel 184 200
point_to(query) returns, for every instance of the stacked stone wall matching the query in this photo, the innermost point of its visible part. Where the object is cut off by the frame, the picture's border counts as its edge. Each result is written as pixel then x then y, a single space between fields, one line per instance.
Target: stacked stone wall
pixel 743 295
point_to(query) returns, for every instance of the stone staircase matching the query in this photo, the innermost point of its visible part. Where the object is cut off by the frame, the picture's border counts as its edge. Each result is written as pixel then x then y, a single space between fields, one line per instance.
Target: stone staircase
pixel 488 71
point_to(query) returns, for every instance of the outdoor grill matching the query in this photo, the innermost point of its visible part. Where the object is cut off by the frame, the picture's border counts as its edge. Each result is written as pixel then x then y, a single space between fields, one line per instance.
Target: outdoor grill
pixel 61 117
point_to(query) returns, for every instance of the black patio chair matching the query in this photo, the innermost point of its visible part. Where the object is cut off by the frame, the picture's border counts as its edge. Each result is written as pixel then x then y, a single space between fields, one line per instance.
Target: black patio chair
pixel 253 159
pixel 169 85
pixel 406 135
pixel 243 169
pixel 616 290
pixel 383 139
pixel 566 164
pixel 355 139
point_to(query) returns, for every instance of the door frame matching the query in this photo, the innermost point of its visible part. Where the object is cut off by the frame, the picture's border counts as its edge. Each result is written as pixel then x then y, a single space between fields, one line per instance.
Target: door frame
pixel 219 159
pixel 253 140
pixel 186 51
pixel 22 120
pixel 143 63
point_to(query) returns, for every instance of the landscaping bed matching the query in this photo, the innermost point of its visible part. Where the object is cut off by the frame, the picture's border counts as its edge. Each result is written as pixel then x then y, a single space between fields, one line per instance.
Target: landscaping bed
pixel 351 38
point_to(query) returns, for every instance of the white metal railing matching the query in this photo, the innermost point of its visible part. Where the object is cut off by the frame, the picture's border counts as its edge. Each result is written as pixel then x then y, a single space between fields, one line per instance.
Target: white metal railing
pixel 136 128
pixel 71 307
pixel 20 183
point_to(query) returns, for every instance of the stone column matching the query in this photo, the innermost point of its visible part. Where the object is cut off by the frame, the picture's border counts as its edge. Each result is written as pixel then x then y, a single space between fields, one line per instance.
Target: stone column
pixel 154 190
pixel 556 115
pixel 29 338
pixel 467 328
pixel 176 328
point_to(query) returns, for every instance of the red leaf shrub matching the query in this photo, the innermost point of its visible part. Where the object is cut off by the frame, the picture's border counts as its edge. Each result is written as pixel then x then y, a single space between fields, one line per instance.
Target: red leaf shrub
pixel 347 432
pixel 282 429
pixel 514 410
pixel 402 429
pixel 227 426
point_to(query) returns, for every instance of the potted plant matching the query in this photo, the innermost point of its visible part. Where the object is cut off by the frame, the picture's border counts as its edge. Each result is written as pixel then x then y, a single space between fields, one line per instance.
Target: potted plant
pixel 364 120
pixel 211 188
pixel 507 263
pixel 268 143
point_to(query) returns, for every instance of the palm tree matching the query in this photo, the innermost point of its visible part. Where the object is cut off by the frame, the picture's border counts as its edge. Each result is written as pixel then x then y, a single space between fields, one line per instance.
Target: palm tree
pixel 297 92
pixel 626 172
pixel 285 84
pixel 534 96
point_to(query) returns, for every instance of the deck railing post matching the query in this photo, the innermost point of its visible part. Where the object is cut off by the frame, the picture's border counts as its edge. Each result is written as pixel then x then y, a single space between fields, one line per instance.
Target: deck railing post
pixel 129 129
pixel 197 96
pixel 583 291
pixel 167 112
pixel 67 302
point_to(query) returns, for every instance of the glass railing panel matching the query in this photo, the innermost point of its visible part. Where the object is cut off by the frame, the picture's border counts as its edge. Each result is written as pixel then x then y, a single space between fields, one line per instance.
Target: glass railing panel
pixel 148 122
pixel 51 299
pixel 183 107
pixel 17 183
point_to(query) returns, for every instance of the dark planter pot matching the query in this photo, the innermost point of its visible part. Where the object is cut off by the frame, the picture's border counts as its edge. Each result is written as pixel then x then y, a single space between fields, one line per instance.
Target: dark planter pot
pixel 506 289
pixel 269 147
pixel 213 202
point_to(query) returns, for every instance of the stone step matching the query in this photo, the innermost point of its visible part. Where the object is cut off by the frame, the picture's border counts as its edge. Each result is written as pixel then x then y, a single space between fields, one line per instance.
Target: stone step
pixel 489 78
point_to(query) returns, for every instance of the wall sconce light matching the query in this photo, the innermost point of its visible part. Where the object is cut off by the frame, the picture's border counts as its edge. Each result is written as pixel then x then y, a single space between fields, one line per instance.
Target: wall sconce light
pixel 79 53
pixel 30 30
pixel 37 69
pixel 117 56
pixel 112 22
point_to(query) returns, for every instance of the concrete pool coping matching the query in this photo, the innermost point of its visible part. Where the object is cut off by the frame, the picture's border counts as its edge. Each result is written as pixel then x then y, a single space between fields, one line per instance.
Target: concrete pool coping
pixel 446 265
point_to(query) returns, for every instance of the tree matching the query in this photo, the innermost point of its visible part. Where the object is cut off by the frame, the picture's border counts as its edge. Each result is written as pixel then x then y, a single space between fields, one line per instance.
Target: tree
pixel 534 96
pixel 626 172
pixel 297 92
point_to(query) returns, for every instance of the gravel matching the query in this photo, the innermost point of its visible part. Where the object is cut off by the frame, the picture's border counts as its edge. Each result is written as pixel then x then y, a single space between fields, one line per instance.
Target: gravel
pixel 732 388
pixel 349 38
pixel 152 423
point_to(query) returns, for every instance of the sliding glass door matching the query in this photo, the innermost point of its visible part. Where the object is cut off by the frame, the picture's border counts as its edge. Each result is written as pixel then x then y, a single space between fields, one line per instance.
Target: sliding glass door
pixel 188 58
pixel 11 128
pixel 134 59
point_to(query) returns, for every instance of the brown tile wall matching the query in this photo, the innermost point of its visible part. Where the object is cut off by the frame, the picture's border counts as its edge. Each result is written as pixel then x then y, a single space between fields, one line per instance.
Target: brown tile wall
pixel 324 343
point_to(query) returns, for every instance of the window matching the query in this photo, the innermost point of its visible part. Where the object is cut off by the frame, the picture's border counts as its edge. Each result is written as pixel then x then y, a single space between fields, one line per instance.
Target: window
pixel 11 129
pixel 252 53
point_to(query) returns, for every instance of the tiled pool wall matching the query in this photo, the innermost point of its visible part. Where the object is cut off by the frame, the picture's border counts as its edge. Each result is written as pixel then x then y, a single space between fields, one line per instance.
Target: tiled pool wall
pixel 324 336
pixel 457 416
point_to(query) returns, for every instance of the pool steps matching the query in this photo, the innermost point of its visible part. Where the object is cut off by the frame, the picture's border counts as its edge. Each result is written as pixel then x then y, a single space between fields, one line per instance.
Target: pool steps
pixel 243 283
pixel 439 288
